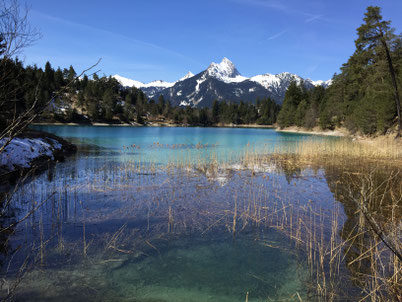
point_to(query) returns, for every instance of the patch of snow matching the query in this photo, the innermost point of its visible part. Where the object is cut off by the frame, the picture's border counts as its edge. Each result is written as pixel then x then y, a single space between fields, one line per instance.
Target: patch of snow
pixel 328 83
pixel 22 151
pixel 237 167
pixel 321 83
pixel 271 81
pixel 199 82
pixel 158 83
pixel 221 177
pixel 251 89
pixel 238 92
pixel 179 93
pixel 317 83
pixel 184 103
pixel 198 101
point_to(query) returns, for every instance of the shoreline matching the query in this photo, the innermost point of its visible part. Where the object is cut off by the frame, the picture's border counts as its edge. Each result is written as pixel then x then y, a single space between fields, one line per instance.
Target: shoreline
pixel 338 132
pixel 342 132
pixel 316 131
pixel 155 124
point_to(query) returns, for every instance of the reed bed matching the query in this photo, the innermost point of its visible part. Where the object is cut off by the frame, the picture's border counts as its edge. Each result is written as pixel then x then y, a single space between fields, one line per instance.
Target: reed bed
pixel 198 192
pixel 376 149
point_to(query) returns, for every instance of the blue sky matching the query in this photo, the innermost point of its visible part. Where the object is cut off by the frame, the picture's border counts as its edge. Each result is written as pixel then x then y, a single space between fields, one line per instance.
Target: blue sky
pixel 150 39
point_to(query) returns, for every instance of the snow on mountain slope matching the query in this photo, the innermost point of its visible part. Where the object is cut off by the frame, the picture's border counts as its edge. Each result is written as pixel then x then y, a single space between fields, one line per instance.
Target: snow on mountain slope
pixel 266 80
pixel 187 76
pixel 221 81
pixel 128 82
pixel 158 83
pixel 225 71
pixel 321 83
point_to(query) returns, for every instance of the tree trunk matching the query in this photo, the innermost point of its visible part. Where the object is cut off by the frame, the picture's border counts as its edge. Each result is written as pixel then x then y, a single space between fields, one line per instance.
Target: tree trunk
pixel 396 93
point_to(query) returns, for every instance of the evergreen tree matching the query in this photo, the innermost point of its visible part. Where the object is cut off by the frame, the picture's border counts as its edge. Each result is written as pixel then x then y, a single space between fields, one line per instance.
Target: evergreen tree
pixel 71 74
pixel 371 34
pixel 293 96
pixel 215 111
pixel 81 101
pixel 108 104
pixel 58 79
pixel 129 104
pixel 161 104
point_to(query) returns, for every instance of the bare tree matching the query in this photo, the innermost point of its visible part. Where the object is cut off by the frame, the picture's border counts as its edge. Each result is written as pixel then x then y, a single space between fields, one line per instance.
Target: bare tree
pixel 16 32
pixel 15 35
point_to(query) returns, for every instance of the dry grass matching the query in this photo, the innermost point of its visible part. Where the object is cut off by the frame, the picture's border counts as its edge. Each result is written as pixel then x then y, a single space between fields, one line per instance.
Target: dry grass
pixel 334 255
pixel 386 149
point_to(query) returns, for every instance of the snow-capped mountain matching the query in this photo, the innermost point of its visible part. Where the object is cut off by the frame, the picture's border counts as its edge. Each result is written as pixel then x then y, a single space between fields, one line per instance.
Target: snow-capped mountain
pixel 322 83
pixel 151 89
pixel 187 76
pixel 221 81
pixel 225 71
pixel 129 83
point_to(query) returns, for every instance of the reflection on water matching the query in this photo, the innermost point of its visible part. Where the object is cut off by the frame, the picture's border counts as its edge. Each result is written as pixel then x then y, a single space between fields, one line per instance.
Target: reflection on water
pixel 122 222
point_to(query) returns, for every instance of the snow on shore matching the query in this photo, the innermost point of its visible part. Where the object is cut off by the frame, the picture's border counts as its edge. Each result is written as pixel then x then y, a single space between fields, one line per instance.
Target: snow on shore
pixel 22 151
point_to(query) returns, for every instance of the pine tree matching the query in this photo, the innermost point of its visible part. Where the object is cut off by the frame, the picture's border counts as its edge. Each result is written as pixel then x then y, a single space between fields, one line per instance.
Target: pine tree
pixel 375 32
pixel 161 104
pixel 215 111
pixel 293 96
pixel 108 104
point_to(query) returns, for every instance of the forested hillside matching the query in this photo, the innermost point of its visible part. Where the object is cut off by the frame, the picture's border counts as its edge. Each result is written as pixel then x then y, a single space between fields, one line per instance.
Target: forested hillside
pixel 364 96
pixel 104 99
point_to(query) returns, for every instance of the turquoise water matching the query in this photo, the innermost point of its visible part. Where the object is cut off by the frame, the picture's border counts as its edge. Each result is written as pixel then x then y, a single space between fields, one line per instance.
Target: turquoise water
pixel 163 144
pixel 111 230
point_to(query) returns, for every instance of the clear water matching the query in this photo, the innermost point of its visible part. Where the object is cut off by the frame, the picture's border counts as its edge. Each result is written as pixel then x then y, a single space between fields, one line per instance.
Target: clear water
pixel 113 229
pixel 164 144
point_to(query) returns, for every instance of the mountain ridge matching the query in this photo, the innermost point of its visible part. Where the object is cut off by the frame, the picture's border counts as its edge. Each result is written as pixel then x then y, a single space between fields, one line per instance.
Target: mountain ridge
pixel 221 81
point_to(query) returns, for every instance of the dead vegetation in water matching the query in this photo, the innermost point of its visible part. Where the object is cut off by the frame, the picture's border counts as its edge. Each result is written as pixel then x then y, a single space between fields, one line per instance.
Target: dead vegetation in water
pixel 337 250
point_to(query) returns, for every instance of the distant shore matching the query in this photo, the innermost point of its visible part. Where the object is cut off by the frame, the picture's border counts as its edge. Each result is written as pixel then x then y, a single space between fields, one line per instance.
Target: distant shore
pixel 154 124
pixel 315 131
pixel 338 132
pixel 380 140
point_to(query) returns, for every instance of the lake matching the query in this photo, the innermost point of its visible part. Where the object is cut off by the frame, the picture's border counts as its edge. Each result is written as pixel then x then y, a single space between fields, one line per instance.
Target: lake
pixel 188 214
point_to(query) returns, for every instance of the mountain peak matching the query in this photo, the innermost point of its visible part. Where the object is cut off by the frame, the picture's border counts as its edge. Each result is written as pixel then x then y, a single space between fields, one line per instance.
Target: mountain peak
pixel 226 61
pixel 225 71
pixel 187 76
